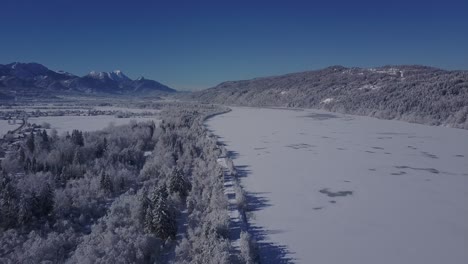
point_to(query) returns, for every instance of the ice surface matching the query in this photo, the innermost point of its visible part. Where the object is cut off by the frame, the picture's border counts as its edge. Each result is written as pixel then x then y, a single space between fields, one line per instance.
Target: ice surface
pixel 330 188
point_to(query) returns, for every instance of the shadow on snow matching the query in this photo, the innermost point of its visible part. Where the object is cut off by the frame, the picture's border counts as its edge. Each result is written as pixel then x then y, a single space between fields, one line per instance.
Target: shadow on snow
pixel 268 251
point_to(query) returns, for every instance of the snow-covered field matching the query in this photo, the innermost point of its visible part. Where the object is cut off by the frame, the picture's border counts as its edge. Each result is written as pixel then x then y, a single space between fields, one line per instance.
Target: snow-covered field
pixel 85 123
pixel 125 109
pixel 5 127
pixel 331 188
pixel 83 108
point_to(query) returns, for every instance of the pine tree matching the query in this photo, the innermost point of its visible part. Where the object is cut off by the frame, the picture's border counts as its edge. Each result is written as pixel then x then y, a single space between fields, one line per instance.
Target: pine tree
pixel 179 184
pixel 77 137
pixel 148 220
pixel 30 143
pixel 35 205
pixel 45 144
pixel 77 158
pixel 147 205
pixel 8 202
pixel 24 211
pixel 106 183
pixel 163 222
pixel 122 183
pixel 22 155
pixel 46 199
pixel 34 164
pixel 101 148
pixel 64 175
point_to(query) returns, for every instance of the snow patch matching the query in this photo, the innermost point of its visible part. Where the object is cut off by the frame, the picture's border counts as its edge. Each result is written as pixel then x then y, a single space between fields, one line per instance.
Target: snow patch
pixel 327 100
pixel 369 87
pixel 116 75
pixel 5 127
pixel 391 71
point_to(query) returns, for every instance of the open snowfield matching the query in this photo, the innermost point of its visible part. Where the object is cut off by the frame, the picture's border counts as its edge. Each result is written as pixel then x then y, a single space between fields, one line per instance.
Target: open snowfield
pixel 331 188
pixel 85 123
pixel 125 109
pixel 100 108
pixel 5 127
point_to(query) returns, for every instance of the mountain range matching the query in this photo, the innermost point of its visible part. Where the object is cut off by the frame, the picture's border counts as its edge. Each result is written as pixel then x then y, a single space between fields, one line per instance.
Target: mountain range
pixel 411 93
pixel 33 79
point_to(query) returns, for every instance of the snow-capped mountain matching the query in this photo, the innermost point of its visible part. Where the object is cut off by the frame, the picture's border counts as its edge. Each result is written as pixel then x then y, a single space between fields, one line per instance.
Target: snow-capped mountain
pixel 116 75
pixel 34 78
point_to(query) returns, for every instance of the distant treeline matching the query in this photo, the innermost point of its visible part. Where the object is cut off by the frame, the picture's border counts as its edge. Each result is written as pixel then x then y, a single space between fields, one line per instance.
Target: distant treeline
pixel 411 93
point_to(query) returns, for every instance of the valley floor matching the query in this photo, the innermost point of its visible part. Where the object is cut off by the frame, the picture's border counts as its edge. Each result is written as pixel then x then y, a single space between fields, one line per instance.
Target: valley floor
pixel 330 188
pixel 5 127
pixel 65 124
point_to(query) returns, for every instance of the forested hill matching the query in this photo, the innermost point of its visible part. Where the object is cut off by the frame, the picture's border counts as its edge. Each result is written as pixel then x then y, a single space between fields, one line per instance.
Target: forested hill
pixel 412 93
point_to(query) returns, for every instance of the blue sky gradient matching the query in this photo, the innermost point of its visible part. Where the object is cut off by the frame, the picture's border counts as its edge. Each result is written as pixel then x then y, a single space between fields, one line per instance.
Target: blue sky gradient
pixel 197 44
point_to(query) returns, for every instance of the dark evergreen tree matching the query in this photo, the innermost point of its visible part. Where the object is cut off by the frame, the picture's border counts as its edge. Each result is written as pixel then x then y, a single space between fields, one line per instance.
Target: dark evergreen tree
pixel 45 143
pixel 34 164
pixel 64 175
pixel 46 199
pixel 106 183
pixel 101 148
pixel 24 211
pixel 178 183
pixel 163 222
pixel 122 183
pixel 22 155
pixel 35 205
pixel 77 158
pixel 77 137
pixel 8 203
pixel 148 219
pixel 30 143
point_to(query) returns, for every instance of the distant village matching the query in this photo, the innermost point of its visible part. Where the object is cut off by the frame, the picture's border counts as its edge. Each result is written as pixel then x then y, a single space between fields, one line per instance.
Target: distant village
pixel 11 141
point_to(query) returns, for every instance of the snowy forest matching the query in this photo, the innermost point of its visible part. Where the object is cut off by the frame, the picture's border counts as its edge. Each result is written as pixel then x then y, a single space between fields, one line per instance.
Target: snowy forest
pixel 136 193
pixel 416 94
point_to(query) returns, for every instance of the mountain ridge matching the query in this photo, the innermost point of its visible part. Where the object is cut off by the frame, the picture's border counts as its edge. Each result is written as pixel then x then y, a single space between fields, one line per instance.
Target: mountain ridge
pixel 30 79
pixel 413 93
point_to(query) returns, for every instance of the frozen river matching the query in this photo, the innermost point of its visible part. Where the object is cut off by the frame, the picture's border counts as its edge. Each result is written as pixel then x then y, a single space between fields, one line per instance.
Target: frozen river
pixel 331 188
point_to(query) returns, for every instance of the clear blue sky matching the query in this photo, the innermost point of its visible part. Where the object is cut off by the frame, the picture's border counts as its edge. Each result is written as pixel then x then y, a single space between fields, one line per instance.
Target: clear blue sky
pixel 197 44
